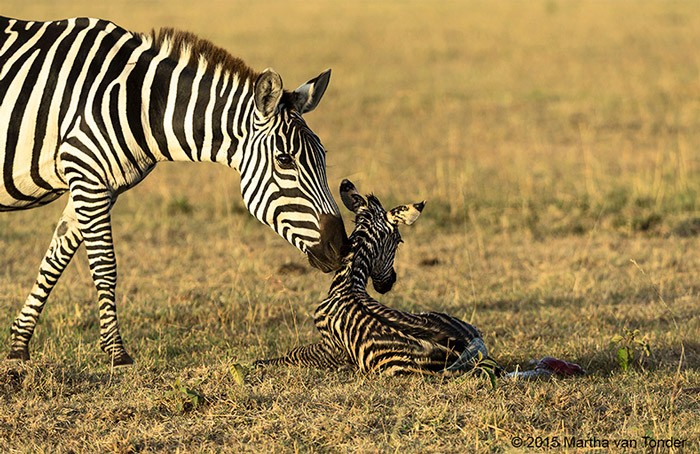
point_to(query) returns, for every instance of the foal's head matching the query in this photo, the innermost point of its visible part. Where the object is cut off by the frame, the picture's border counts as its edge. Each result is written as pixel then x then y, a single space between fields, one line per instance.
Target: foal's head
pixel 377 232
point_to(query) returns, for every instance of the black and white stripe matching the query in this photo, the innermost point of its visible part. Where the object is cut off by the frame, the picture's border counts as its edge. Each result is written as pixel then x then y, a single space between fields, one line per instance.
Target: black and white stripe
pixel 89 108
pixel 359 332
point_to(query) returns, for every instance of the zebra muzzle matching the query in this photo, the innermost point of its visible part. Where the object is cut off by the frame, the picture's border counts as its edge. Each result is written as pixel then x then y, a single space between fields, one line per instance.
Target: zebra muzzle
pixel 327 254
pixel 385 285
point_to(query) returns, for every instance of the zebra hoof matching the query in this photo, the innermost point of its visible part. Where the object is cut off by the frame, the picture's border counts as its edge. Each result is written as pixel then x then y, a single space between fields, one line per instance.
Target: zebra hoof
pixel 21 354
pixel 121 360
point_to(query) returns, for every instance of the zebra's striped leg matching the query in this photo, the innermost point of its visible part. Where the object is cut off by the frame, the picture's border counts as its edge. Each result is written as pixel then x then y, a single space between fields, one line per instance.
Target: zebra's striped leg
pixel 93 213
pixel 319 355
pixel 66 240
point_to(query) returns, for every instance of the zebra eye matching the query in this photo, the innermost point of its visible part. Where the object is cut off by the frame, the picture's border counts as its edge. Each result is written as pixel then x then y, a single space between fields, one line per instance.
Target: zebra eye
pixel 285 160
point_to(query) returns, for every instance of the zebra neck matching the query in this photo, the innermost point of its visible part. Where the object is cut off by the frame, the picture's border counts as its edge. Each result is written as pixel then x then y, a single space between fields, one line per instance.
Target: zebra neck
pixel 199 114
pixel 355 272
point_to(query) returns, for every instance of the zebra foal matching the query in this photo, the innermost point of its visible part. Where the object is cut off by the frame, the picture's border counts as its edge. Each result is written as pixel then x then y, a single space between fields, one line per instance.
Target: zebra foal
pixel 359 332
pixel 88 108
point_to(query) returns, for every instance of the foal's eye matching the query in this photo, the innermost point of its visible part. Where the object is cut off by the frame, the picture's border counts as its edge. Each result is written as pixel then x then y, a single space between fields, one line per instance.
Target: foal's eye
pixel 285 160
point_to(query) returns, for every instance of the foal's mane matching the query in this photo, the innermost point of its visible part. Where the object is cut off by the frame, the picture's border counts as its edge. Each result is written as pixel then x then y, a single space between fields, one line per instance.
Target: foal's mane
pixel 182 42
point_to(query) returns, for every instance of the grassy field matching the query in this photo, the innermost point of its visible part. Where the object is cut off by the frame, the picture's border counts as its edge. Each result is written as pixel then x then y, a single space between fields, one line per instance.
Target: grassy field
pixel 558 147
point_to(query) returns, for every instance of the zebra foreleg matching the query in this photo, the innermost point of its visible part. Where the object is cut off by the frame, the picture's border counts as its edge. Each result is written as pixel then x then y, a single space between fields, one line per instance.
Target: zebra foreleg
pixel 66 240
pixel 319 355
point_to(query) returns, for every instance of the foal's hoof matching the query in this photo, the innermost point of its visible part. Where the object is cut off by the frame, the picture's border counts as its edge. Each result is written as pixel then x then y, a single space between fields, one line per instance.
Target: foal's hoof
pixel 21 354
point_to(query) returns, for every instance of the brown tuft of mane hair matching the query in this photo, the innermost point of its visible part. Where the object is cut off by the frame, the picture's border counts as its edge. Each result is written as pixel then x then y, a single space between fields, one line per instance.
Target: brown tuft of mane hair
pixel 201 48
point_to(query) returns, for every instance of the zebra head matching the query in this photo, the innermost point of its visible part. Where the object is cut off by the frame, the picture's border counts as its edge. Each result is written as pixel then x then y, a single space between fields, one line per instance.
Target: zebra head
pixel 284 184
pixel 378 231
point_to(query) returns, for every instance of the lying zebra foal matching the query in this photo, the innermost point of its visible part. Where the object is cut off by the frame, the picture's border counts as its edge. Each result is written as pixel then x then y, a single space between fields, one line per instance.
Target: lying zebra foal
pixel 359 332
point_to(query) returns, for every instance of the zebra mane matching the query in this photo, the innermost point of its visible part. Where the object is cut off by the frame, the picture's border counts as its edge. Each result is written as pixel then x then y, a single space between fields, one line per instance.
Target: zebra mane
pixel 181 43
pixel 363 222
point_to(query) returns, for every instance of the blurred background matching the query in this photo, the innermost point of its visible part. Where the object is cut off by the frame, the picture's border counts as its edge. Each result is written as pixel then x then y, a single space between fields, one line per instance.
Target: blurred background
pixel 554 116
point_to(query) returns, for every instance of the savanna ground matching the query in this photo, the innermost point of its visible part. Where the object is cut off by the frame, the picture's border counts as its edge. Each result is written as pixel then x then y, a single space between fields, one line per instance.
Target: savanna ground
pixel 558 147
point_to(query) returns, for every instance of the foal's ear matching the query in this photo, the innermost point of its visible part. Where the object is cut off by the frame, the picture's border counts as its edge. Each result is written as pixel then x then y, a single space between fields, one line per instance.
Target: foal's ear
pixel 352 199
pixel 405 214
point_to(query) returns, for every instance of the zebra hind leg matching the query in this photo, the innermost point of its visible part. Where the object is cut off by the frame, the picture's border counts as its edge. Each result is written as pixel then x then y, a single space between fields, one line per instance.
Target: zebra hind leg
pixel 66 240
pixel 475 357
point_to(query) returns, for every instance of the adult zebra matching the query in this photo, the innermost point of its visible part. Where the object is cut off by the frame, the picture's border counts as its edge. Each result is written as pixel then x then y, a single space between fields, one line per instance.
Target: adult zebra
pixel 89 108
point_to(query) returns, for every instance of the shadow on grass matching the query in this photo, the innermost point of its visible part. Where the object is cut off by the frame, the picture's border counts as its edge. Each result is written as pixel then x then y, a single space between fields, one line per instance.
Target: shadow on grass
pixel 50 379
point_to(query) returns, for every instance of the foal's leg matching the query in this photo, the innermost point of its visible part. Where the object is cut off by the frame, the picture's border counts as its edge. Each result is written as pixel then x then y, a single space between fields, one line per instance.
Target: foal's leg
pixel 319 355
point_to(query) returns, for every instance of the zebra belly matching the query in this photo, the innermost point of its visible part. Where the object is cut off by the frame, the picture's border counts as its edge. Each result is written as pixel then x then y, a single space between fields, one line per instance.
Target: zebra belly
pixel 33 195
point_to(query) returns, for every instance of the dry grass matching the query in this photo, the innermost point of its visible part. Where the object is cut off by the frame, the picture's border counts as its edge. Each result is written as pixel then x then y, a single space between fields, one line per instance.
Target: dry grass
pixel 557 144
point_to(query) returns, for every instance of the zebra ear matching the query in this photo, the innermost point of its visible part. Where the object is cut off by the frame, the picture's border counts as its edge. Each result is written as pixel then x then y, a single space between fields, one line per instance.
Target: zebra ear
pixel 268 91
pixel 352 199
pixel 308 95
pixel 405 214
